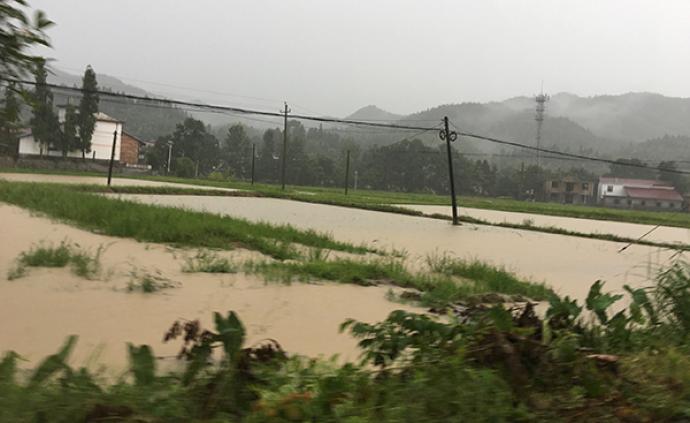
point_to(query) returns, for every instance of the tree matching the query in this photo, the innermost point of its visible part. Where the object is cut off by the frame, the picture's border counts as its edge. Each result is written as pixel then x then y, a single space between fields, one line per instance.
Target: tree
pixel 45 127
pixel 191 140
pixel 268 162
pixel 237 151
pixel 18 35
pixel 69 139
pixel 9 121
pixel 88 107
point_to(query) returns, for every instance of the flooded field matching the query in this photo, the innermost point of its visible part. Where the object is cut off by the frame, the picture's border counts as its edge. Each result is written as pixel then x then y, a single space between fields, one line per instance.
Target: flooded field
pixel 568 264
pixel 40 309
pixel 99 180
pixel 629 230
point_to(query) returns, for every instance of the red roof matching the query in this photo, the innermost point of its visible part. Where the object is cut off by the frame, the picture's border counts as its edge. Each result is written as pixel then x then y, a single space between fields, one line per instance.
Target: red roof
pixel 667 194
pixel 633 182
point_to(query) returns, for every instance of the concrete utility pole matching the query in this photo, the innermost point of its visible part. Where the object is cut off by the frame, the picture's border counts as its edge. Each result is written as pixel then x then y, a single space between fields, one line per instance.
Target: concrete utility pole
pixel 285 139
pixel 112 158
pixel 170 144
pixel 347 172
pixel 449 137
pixel 253 160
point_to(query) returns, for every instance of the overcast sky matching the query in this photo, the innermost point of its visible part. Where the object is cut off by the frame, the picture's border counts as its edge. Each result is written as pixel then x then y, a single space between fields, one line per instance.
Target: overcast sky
pixel 332 57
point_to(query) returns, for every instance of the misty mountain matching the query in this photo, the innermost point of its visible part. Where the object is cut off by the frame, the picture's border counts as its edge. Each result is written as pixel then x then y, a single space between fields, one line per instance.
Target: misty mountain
pixel 628 117
pixel 374 113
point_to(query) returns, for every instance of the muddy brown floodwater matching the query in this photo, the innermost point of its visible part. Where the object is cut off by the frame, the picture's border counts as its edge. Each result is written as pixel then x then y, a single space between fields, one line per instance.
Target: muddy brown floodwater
pixel 102 180
pixel 664 234
pixel 40 309
pixel 568 264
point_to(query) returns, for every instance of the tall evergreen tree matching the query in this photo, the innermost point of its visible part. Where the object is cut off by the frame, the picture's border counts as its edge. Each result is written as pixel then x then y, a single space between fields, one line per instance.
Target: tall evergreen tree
pixel 70 139
pixel 238 151
pixel 44 123
pixel 88 107
pixel 9 121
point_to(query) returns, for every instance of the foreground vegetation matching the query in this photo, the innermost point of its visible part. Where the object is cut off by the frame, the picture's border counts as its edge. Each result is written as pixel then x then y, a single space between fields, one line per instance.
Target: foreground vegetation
pixel 163 224
pixel 582 362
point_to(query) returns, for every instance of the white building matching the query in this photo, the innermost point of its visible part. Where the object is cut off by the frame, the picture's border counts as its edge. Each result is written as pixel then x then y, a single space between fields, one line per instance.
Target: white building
pixel 101 142
pixel 648 194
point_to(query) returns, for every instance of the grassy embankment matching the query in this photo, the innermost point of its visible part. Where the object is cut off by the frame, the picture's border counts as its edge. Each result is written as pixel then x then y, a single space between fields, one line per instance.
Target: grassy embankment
pixel 371 197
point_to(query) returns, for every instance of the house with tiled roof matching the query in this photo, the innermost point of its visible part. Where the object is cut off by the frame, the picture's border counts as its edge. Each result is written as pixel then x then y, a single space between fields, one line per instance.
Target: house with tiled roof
pixel 643 194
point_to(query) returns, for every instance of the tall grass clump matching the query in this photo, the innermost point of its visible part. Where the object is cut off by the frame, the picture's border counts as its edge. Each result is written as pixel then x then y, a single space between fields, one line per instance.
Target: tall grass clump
pixel 164 224
pixel 81 262
pixel 485 278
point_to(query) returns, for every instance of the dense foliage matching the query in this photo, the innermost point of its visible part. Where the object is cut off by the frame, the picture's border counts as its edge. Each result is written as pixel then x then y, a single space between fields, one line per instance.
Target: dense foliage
pixel 582 362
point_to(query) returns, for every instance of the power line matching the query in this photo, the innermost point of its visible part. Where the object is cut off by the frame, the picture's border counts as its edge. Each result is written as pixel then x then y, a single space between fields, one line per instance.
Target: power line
pixel 244 111
pixel 219 107
pixel 560 153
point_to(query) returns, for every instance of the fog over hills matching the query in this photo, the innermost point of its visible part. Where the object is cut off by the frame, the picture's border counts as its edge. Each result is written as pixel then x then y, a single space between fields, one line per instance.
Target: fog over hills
pixel 605 124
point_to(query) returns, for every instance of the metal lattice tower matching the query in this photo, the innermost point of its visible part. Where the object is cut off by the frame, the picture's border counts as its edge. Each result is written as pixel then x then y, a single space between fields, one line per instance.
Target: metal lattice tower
pixel 541 99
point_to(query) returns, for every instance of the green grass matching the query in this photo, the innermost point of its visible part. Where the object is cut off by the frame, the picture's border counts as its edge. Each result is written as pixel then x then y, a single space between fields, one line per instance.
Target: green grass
pixel 487 278
pixel 163 224
pixel 82 263
pixel 438 287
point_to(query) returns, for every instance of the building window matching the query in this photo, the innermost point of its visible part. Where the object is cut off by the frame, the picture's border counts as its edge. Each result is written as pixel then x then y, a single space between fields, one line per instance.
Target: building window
pixel 644 203
pixel 569 186
pixel 554 184
pixel 630 202
pixel 609 188
pixel 671 205
pixel 585 185
pixel 616 201
pixel 658 204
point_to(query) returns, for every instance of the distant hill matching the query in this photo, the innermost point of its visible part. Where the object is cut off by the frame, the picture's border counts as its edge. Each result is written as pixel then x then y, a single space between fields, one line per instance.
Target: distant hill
pixel 145 121
pixel 632 117
pixel 374 113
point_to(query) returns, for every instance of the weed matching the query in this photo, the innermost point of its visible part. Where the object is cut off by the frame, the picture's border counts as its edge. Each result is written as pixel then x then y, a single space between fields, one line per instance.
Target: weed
pixel 147 282
pixel 208 262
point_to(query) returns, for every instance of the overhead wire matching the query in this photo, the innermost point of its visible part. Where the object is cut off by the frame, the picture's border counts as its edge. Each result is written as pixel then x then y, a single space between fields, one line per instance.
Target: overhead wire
pixel 245 111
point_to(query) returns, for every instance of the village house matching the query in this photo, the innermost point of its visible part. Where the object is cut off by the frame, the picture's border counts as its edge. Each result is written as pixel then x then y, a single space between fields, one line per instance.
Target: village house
pixel 645 194
pixel 105 130
pixel 569 190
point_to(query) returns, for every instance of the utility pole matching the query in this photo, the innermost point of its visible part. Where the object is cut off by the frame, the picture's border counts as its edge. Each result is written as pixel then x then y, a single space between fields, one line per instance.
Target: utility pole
pixel 355 187
pixel 347 172
pixel 170 144
pixel 253 160
pixel 112 158
pixel 285 139
pixel 449 137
